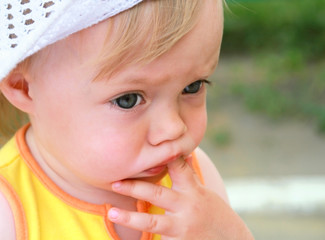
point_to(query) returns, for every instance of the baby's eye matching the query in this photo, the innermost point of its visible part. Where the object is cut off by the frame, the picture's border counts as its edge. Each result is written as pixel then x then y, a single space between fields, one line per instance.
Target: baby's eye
pixel 194 87
pixel 128 100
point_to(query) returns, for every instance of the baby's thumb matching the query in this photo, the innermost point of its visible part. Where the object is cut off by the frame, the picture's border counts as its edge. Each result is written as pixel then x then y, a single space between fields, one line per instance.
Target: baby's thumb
pixel 181 173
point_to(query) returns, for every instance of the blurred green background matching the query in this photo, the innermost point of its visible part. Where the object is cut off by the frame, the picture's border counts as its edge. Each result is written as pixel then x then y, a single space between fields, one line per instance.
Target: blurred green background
pixel 267 115
pixel 284 41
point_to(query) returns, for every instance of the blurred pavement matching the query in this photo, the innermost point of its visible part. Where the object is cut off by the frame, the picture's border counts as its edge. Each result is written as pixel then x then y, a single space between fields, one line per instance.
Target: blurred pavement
pixel 274 173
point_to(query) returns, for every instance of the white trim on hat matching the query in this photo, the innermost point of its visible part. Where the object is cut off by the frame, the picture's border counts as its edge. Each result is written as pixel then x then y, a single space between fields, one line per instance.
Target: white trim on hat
pixel 27 26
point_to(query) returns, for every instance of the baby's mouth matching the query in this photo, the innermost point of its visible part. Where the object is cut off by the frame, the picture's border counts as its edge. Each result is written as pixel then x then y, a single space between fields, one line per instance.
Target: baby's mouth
pixel 155 170
pixel 162 167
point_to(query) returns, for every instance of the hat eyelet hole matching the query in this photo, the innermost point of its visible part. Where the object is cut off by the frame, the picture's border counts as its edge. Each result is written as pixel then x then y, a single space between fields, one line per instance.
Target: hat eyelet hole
pixel 29 21
pixel 47 14
pixel 27 11
pixel 48 4
pixel 24 2
pixel 12 36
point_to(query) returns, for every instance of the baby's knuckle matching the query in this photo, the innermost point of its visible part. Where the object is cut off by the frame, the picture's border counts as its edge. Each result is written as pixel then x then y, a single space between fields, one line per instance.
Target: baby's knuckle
pixel 127 218
pixel 158 192
pixel 200 190
pixel 152 223
pixel 183 166
pixel 131 187
pixel 194 206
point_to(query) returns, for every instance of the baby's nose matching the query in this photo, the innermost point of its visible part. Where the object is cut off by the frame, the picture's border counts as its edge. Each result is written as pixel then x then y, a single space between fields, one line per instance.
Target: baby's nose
pixel 168 126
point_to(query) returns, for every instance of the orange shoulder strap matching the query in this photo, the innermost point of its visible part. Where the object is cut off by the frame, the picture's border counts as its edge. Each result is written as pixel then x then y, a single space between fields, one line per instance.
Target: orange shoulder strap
pixel 16 208
pixel 196 167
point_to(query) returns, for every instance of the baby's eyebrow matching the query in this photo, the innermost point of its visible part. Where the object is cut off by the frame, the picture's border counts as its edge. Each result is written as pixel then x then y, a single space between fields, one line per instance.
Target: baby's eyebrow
pixel 131 80
pixel 136 80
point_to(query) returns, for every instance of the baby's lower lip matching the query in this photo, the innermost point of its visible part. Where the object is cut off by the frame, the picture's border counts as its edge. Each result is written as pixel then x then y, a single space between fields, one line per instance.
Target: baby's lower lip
pixel 155 170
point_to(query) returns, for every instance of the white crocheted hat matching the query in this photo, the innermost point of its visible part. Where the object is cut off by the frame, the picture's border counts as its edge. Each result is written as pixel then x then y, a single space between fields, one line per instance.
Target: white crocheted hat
pixel 27 26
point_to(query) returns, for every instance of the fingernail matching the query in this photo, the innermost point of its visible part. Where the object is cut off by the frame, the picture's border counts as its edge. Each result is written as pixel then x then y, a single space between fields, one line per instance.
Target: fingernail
pixel 113 213
pixel 116 185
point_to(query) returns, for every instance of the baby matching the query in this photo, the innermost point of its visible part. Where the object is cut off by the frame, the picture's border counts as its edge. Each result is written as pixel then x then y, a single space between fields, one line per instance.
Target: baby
pixel 117 110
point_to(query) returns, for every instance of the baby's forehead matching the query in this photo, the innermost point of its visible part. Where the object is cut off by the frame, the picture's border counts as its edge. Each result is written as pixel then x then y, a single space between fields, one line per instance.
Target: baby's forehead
pixel 138 35
pixel 142 34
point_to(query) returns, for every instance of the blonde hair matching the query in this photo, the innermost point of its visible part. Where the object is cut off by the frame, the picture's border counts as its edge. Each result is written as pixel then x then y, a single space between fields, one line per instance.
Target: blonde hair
pixel 140 34
pixel 153 30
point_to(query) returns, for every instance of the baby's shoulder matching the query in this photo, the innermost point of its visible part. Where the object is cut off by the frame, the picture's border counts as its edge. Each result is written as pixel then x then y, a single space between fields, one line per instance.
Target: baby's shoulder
pixel 210 174
pixel 7 224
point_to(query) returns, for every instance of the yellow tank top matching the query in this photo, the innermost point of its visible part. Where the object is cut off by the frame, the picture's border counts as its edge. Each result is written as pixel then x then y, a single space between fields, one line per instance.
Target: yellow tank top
pixel 43 211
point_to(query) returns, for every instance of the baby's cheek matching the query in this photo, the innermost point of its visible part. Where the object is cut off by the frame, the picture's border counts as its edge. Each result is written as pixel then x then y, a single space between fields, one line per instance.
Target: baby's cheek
pixel 116 150
pixel 199 125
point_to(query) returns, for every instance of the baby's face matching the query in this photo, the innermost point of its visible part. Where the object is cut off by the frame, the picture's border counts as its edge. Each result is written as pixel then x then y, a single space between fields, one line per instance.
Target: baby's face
pixel 133 124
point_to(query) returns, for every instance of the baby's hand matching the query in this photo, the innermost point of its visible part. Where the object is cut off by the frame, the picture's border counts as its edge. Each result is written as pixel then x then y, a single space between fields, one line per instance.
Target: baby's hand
pixel 192 211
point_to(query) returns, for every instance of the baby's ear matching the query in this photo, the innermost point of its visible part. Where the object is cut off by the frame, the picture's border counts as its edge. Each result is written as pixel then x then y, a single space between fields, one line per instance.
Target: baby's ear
pixel 15 88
